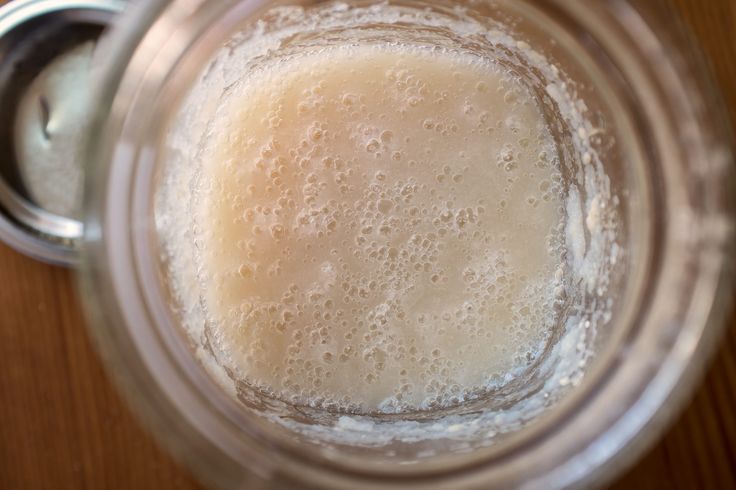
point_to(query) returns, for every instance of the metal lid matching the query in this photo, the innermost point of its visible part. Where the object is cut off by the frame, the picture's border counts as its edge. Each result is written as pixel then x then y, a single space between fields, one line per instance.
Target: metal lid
pixel 33 35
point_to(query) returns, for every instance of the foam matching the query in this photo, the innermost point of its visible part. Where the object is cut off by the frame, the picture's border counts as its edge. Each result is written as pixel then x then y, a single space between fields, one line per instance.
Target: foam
pixel 363 243
pixel 254 48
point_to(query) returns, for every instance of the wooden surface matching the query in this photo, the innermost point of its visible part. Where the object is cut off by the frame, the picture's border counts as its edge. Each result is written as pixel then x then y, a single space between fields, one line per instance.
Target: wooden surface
pixel 63 426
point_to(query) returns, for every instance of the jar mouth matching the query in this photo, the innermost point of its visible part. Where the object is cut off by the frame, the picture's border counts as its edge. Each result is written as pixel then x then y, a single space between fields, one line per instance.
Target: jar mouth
pixel 670 291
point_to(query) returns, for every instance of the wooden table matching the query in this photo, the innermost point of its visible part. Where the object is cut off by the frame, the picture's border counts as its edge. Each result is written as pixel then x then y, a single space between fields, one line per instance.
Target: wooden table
pixel 62 425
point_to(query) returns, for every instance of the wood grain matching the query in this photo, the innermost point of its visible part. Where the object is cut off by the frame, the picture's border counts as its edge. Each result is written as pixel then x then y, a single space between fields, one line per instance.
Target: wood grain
pixel 63 426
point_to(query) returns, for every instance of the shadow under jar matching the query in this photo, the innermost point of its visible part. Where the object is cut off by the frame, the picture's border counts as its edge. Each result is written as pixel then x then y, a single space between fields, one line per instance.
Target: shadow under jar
pixel 644 171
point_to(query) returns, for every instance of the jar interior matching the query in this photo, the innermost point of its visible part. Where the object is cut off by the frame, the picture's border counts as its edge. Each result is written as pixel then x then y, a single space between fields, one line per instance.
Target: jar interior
pixel 28 49
pixel 606 192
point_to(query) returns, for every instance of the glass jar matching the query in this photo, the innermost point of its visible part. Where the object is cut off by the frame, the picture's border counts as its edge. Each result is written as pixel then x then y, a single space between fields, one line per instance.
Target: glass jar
pixel 629 101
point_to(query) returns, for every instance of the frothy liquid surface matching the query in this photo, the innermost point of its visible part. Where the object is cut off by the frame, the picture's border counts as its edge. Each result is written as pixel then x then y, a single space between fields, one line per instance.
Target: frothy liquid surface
pixel 379 229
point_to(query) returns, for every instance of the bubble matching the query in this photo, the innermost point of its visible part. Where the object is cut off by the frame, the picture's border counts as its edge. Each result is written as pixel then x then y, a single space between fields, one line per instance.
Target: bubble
pixel 511 97
pixel 372 146
pixel 277 232
pixel 385 206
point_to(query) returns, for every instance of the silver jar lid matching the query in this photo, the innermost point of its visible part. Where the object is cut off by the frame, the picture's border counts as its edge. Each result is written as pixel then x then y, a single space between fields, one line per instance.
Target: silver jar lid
pixel 34 35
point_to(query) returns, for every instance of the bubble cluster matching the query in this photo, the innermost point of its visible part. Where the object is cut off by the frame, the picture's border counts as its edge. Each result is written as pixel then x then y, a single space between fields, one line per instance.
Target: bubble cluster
pixel 380 230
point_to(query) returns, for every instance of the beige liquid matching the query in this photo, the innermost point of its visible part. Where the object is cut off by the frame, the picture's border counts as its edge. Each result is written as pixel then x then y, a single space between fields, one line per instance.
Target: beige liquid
pixel 379 229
